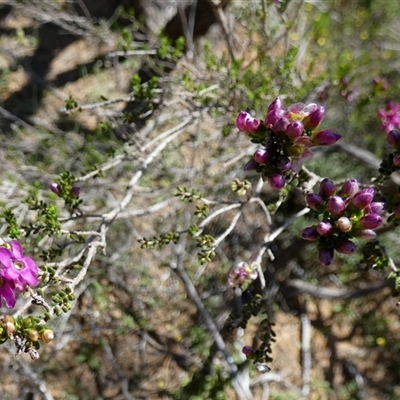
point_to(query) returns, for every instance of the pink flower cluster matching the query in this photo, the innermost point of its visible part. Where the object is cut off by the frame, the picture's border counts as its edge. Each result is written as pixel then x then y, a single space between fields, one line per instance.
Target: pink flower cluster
pixel 390 116
pixel 16 272
pixel 242 275
pixel 346 213
pixel 286 136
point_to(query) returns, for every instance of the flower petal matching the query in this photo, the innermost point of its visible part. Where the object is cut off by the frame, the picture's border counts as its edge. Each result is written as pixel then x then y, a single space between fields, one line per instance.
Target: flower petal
pixel 16 249
pixel 5 257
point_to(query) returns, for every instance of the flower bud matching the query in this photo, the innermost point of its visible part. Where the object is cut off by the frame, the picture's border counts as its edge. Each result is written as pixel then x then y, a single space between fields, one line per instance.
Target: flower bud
pixel 75 191
pixel 393 138
pixel 310 234
pixel 251 166
pixel 336 205
pixel 34 335
pixel 314 118
pixel 275 105
pixel 314 200
pixel 48 336
pixel 368 234
pixel 261 156
pixel 346 247
pixel 284 165
pixel 247 351
pixel 295 129
pixel 241 120
pixel 304 141
pixel 55 188
pixel 363 198
pixel 325 256
pixel 371 221
pixel 344 224
pixel 281 124
pixel 10 328
pixel 272 117
pixel 325 228
pixel 376 207
pixel 396 160
pixel 350 187
pixel 326 137
pixel 327 188
pixel 277 181
pixel 252 125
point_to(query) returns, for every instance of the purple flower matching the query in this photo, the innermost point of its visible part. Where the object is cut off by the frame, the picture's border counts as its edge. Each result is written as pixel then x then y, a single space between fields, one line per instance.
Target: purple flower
pixel 363 198
pixel 393 138
pixel 277 181
pixel 346 247
pixel 326 137
pixel 314 118
pixel 310 234
pixel 22 270
pixel 325 256
pixel 314 200
pixel 7 292
pixel 349 188
pixel 261 156
pixel 325 228
pixel 390 116
pixel 336 205
pixel 327 188
pixel 371 221
pixel 295 129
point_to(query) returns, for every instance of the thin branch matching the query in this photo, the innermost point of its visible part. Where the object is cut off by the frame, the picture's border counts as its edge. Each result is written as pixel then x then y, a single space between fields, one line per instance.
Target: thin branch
pixel 297 285
pixel 243 392
pixel 306 353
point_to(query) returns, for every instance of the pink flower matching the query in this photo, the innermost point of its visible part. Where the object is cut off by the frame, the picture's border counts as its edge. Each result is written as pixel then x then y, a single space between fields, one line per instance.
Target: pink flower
pixel 241 273
pixel 17 268
pixel 390 116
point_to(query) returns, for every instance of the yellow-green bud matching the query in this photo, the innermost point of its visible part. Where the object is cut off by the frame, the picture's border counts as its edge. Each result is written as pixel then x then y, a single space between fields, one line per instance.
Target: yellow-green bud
pixel 34 335
pixel 48 336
